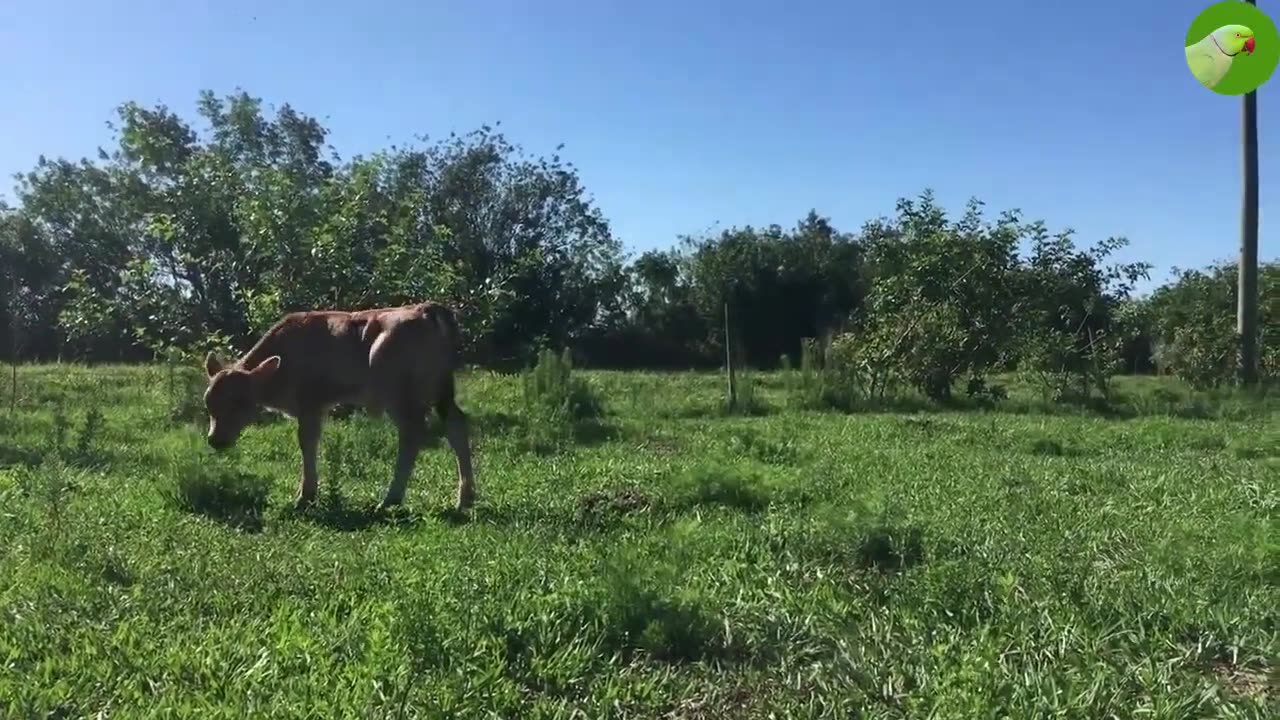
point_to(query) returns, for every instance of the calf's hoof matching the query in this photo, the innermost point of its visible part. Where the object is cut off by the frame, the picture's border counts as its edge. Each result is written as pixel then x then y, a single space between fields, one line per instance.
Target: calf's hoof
pixel 301 503
pixel 389 503
pixel 466 500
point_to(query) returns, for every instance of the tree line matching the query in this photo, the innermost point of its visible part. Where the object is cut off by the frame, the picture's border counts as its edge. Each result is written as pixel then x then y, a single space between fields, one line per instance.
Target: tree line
pixel 183 237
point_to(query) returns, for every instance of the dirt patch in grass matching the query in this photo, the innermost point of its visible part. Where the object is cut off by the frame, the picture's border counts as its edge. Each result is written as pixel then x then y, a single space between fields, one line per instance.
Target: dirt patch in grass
pixel 621 501
pixel 1245 681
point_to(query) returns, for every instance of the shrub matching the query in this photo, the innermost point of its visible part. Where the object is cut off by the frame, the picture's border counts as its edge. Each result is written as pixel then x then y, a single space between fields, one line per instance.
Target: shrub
pixel 745 400
pixel 1204 355
pixel 185 393
pixel 1193 324
pixel 940 304
pixel 855 369
pixel 551 386
pixel 88 436
pixel 978 390
pixel 556 401
pixel 838 378
pixel 807 387
pixel 849 374
pixel 1069 367
pixel 1075 317
pixel 922 348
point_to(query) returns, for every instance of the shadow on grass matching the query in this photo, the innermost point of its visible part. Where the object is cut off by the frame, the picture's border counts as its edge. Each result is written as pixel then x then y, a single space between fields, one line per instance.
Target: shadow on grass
pixel 532 518
pixel 495 422
pixel 640 612
pixel 590 433
pixel 887 548
pixel 631 611
pixel 232 497
pixel 343 517
pixel 713 409
pixel 768 450
pixel 15 456
pixel 455 517
pixel 604 505
pixel 590 515
pixel 692 411
pixel 1253 448
pixel 334 511
pixel 858 536
pixel 1160 403
pixel 1052 447
pixel 552 438
pixel 1123 402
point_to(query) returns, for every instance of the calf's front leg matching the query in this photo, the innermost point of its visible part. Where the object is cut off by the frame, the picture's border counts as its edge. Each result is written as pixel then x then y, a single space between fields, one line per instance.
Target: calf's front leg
pixel 309 425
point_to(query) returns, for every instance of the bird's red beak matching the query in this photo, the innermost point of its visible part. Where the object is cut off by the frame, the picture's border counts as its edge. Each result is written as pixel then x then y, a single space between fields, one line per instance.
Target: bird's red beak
pixel 1248 45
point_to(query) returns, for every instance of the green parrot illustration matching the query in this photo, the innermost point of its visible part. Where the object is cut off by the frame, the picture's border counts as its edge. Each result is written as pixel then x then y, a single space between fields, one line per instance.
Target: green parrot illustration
pixel 1210 58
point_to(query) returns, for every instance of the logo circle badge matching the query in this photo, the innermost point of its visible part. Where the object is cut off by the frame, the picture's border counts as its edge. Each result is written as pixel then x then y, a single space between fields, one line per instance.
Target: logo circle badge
pixel 1232 47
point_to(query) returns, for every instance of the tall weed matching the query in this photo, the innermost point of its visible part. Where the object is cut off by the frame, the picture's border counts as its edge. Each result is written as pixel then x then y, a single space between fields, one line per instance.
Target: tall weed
pixel 556 402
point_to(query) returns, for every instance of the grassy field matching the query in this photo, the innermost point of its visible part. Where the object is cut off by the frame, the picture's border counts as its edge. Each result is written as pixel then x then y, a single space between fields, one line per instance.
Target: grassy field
pixel 673 562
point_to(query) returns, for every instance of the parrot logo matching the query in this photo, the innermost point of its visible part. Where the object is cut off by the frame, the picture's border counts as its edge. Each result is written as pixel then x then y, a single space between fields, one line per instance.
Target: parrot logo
pixel 1211 58
pixel 1232 47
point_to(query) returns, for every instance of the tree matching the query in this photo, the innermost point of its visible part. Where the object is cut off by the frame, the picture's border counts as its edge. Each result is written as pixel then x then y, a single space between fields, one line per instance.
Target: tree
pixel 183 233
pixel 942 293
pixel 1193 334
pixel 1073 331
pixel 252 215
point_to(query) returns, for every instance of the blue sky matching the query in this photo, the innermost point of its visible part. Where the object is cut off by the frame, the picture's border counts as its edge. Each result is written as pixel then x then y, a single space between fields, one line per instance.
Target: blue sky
pixel 682 115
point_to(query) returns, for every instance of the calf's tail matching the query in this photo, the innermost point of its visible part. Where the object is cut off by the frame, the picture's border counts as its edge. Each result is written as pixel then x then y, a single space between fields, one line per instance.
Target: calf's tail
pixel 444 319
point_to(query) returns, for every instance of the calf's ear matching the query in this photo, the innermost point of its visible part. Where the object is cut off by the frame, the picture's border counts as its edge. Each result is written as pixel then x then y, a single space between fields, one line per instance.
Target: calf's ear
pixel 212 364
pixel 266 368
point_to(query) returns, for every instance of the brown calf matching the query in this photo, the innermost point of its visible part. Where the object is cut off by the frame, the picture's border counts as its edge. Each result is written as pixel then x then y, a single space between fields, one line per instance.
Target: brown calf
pixel 398 361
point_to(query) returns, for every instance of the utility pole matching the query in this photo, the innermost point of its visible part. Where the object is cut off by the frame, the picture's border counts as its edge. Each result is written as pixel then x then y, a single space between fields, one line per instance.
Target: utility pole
pixel 1247 290
pixel 728 359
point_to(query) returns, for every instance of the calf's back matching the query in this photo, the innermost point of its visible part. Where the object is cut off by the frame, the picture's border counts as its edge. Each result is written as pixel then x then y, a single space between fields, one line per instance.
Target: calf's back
pixel 331 357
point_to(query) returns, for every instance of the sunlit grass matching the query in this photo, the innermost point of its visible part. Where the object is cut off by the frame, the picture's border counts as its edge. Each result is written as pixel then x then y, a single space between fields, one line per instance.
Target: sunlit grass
pixel 1033 562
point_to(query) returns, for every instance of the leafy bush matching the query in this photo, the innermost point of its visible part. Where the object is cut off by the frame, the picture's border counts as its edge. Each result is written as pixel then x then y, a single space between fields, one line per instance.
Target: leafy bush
pixel 1194 324
pixel 851 372
pixel 87 440
pixel 985 394
pixel 921 347
pixel 1074 315
pixel 1203 355
pixel 186 387
pixel 941 303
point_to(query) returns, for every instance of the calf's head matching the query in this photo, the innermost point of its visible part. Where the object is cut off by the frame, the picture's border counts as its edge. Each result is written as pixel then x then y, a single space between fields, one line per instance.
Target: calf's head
pixel 232 396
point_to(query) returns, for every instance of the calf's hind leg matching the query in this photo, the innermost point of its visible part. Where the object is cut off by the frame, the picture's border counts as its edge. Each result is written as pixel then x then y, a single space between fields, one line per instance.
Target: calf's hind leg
pixel 411 428
pixel 458 433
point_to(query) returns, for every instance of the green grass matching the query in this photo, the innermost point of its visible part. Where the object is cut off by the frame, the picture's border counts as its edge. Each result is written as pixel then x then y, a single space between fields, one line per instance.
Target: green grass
pixel 677 561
